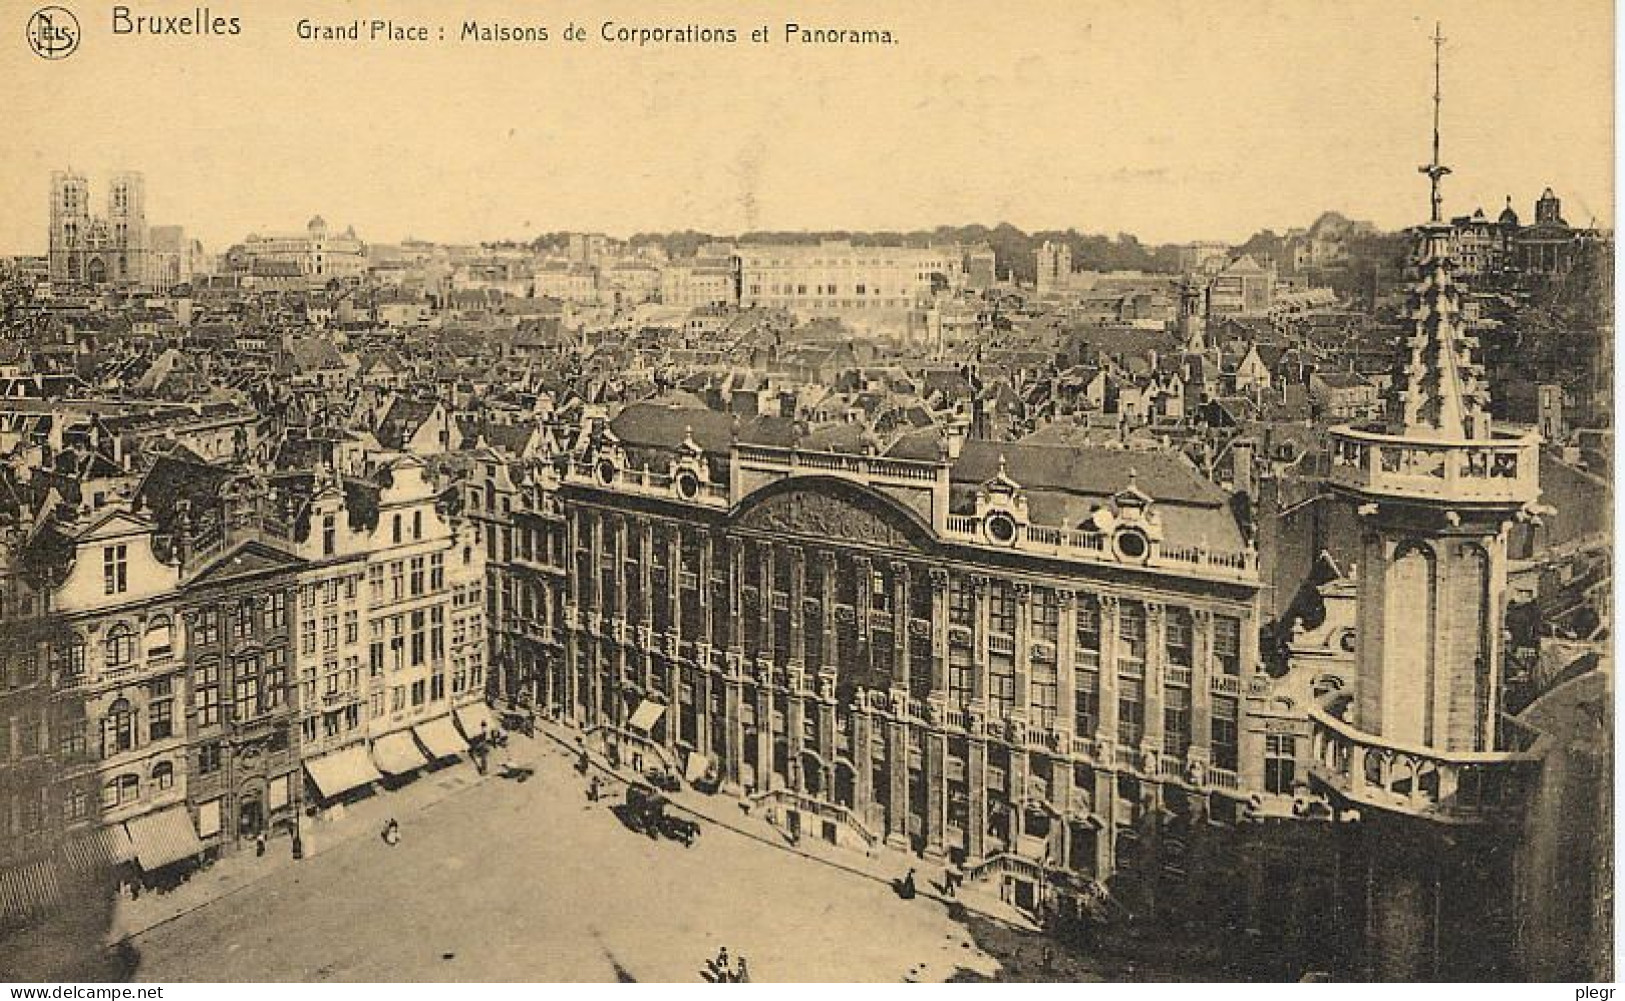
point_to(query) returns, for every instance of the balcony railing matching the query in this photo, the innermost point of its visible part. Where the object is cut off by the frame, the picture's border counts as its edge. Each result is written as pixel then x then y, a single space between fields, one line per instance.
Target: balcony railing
pixel 1452 787
pixel 1095 547
pixel 1503 469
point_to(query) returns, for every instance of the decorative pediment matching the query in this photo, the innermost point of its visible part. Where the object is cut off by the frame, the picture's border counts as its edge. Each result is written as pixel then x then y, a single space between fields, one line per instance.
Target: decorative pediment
pixel 834 512
pixel 246 560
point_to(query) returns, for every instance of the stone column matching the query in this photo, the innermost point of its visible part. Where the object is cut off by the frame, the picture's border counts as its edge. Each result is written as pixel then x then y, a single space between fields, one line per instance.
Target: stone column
pixel 863 762
pixel 798 590
pixel 1155 647
pixel 733 734
pixel 939 632
pixel 764 603
pixel 1108 675
pixel 764 738
pixel 897 776
pixel 831 565
pixel 1066 679
pixel 979 679
pixel 976 786
pixel 901 640
pixel 1024 644
pixel 935 753
pixel 1202 673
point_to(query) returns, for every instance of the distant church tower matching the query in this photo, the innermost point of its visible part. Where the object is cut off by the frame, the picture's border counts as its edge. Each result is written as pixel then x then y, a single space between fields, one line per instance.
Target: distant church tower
pixel 111 249
pixel 1436 490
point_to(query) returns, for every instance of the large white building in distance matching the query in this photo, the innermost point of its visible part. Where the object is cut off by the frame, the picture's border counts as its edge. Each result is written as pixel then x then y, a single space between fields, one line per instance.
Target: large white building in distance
pixel 864 285
pixel 315 254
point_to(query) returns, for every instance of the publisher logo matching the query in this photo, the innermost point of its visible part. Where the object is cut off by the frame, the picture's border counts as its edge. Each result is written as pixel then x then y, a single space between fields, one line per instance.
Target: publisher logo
pixel 53 33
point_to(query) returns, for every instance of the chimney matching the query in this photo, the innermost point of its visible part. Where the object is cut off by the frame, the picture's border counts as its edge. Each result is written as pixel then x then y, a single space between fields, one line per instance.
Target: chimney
pixel 1241 467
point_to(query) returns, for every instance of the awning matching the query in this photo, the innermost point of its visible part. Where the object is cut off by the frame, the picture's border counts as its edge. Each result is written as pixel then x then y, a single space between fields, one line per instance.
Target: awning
pixel 397 753
pixel 163 838
pixel 28 888
pixel 473 718
pixel 341 771
pixel 647 716
pixel 102 848
pixel 699 765
pixel 441 738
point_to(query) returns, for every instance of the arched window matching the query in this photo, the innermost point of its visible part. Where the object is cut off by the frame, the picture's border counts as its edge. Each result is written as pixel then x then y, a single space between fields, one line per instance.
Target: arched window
pixel 120 645
pixel 417 524
pixel 160 637
pixel 129 788
pixel 164 775
pixel 395 528
pixel 118 729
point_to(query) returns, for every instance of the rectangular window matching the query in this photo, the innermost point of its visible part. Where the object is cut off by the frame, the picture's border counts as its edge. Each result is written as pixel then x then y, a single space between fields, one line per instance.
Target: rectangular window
pixel 1045 692
pixel 1088 626
pixel 1002 605
pixel 1227 644
pixel 208 759
pixel 161 719
pixel 1046 615
pixel 1086 702
pixel 961 603
pixel 1177 633
pixel 1226 734
pixel 242 619
pixel 417 576
pixel 1131 635
pixel 276 611
pixel 329 535
pixel 115 569
pixel 1130 714
pixel 1280 763
pixel 1002 681
pixel 1176 721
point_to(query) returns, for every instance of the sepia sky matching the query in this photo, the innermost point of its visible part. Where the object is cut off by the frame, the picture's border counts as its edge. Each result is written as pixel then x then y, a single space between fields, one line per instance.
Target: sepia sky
pixel 1170 120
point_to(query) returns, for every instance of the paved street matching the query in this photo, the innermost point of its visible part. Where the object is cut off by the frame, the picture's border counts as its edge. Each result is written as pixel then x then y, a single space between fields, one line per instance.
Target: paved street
pixel 527 881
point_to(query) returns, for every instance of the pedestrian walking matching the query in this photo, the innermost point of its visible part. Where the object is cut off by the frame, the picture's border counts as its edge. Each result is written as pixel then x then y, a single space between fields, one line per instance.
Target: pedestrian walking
pixel 906 889
pixel 259 845
pixel 392 832
pixel 743 976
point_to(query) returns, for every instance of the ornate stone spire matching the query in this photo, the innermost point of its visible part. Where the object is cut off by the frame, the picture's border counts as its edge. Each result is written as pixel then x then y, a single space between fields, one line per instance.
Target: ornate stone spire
pixel 1438 390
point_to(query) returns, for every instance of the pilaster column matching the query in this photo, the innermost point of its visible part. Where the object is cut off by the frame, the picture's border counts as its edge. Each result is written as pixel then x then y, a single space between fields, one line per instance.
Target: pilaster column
pixel 976 787
pixel 1024 643
pixel 939 631
pixel 733 733
pixel 830 566
pixel 897 775
pixel 863 763
pixel 1108 673
pixel 1202 673
pixel 935 753
pixel 979 679
pixel 764 739
pixel 1155 646
pixel 798 588
pixel 901 640
pixel 1065 670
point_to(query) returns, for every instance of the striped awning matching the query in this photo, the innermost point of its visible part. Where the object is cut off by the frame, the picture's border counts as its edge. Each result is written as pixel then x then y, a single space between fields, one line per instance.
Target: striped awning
pixel 163 838
pixel 341 771
pixel 102 848
pixel 28 888
pixel 441 738
pixel 474 719
pixel 397 753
